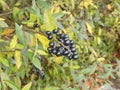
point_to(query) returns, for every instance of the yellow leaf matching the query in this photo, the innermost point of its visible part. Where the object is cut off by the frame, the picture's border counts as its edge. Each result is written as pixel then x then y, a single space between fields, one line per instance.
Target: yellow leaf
pixel 32 41
pixel 100 59
pixel 89 28
pixel 58 59
pixel 7 32
pixel 13 42
pixel 85 3
pixel 2 19
pixel 18 59
pixel 49 22
pixel 44 41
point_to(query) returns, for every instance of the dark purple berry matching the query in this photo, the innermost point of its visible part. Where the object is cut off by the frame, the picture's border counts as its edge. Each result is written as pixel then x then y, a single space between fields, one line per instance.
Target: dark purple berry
pixel 51 44
pixel 55 31
pixel 71 42
pixel 73 49
pixel 48 33
pixel 75 57
pixel 58 53
pixel 67 42
pixel 50 37
pixel 35 25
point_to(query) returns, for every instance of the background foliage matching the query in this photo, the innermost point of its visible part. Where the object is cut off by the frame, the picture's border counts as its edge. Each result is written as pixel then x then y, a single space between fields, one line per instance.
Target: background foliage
pixel 94 25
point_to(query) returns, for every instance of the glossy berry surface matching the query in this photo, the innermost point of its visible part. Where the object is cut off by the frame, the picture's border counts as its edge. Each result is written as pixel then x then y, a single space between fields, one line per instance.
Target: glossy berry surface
pixel 51 44
pixel 55 31
pixel 35 25
pixel 61 45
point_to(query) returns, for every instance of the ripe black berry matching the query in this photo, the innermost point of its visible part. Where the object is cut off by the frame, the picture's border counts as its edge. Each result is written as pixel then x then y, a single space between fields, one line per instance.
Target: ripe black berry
pixel 75 53
pixel 35 25
pixel 71 42
pixel 50 50
pixel 48 33
pixel 57 34
pixel 73 49
pixel 54 51
pixel 58 53
pixel 69 56
pixel 75 57
pixel 55 31
pixel 51 44
pixel 65 52
pixel 67 42
pixel 50 37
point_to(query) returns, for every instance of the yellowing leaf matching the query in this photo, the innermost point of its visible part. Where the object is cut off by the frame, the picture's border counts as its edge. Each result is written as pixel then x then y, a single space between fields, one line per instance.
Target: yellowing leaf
pixel 85 3
pixel 7 32
pixel 58 59
pixel 27 87
pixel 49 22
pixel 13 42
pixel 44 41
pixel 2 19
pixel 100 59
pixel 98 40
pixel 18 59
pixel 89 27
pixel 32 41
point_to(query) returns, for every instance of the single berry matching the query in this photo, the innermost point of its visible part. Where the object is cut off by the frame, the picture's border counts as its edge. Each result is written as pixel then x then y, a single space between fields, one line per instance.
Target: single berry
pixel 73 49
pixel 54 51
pixel 71 42
pixel 51 44
pixel 58 53
pixel 66 36
pixel 62 36
pixel 48 33
pixel 65 52
pixel 75 57
pixel 57 34
pixel 35 25
pixel 72 46
pixel 67 42
pixel 75 53
pixel 55 31
pixel 50 37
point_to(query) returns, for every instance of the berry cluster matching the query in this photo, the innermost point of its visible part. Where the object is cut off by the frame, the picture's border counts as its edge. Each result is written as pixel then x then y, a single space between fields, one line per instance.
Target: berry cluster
pixel 61 45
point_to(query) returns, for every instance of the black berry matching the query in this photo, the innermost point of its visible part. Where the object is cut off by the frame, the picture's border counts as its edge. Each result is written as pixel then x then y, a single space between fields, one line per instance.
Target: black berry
pixel 51 44
pixel 75 57
pixel 55 31
pixel 35 25
pixel 50 37
pixel 48 33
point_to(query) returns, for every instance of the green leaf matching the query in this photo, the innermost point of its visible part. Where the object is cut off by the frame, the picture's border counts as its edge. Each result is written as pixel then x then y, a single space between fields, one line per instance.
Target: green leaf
pixel 37 63
pixel 41 52
pixel 20 34
pixel 3 24
pixel 92 68
pixel 27 87
pixel 4 61
pixel 49 22
pixel 51 88
pixel 12 85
